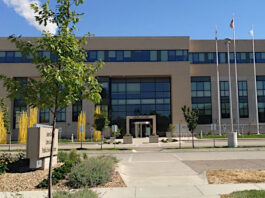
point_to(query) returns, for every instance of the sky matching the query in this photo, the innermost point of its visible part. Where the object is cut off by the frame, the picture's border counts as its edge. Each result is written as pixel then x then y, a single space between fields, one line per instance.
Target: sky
pixel 194 18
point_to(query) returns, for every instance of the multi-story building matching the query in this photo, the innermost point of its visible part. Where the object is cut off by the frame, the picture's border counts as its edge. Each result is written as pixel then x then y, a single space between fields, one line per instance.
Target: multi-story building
pixel 156 76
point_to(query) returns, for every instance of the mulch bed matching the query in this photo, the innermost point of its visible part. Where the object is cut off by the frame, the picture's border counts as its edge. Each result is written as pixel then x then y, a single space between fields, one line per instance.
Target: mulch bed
pixel 235 176
pixel 27 180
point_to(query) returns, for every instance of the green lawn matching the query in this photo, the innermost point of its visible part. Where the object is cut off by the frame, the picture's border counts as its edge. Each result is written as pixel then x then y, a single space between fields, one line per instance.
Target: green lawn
pixel 211 147
pixel 246 194
pixel 225 136
pixel 69 141
pixel 98 149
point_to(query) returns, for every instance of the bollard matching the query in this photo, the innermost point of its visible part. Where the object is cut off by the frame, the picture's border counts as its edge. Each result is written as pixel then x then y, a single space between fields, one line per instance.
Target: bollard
pixel 232 139
pixel 72 138
pixel 201 134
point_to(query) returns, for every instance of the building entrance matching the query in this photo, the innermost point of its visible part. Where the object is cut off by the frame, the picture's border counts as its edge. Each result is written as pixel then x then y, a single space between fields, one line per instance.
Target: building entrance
pixel 141 126
pixel 141 129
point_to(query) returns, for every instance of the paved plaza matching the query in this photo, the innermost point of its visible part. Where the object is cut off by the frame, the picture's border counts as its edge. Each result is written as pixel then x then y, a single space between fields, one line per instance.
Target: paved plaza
pixel 154 172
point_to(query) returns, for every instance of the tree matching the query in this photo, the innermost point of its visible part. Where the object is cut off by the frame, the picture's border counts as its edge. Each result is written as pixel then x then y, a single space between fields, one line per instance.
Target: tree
pixel 101 121
pixel 62 80
pixel 191 118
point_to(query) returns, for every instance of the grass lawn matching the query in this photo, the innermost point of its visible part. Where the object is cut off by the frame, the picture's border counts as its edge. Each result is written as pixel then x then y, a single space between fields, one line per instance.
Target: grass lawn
pixel 98 149
pixel 69 141
pixel 211 147
pixel 225 136
pixel 246 194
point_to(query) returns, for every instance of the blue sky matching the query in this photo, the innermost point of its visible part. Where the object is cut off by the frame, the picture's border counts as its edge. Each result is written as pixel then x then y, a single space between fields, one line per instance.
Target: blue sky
pixel 194 18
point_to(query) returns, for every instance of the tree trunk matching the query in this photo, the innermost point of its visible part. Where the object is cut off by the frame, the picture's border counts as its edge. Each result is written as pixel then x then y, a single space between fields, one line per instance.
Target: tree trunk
pixel 51 154
pixel 192 139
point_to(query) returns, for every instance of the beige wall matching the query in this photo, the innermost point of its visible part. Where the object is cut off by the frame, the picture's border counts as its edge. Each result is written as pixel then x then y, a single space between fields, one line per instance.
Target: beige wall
pixel 178 72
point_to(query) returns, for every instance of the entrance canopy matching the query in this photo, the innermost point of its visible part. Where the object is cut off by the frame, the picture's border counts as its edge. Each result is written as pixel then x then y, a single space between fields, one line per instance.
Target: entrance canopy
pixel 150 117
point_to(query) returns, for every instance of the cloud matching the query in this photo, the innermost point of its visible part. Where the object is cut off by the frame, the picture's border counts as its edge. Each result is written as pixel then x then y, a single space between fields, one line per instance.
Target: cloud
pixel 22 7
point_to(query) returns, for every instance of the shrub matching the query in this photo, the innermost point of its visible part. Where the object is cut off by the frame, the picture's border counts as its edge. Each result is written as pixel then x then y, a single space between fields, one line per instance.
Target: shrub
pixel 5 160
pixel 62 156
pixel 72 156
pixel 85 193
pixel 58 174
pixel 85 156
pixel 92 172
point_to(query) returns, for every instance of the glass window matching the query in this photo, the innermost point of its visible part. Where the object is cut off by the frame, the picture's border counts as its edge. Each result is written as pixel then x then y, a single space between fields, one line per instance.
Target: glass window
pixel 92 56
pixel 119 56
pixel 153 55
pixel 243 99
pixel 61 115
pixel 133 87
pixel 45 115
pixel 164 55
pixel 201 98
pixel 76 110
pixel 18 54
pixel 19 105
pixel 222 57
pixel 2 54
pixel 112 56
pixel 201 58
pixel 143 96
pixel 171 55
pixel 127 55
pixel 100 55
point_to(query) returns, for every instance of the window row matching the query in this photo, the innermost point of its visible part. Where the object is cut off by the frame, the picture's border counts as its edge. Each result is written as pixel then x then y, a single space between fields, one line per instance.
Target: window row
pixel 210 57
pixel 137 55
pixel 144 56
pixel 44 114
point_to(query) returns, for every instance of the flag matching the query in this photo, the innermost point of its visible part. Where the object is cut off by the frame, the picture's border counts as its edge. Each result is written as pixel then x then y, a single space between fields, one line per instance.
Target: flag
pixel 251 32
pixel 216 38
pixel 232 24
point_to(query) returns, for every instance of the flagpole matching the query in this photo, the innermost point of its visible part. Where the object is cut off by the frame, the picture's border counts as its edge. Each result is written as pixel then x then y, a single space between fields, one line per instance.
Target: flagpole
pixel 218 84
pixel 255 81
pixel 237 104
pixel 228 42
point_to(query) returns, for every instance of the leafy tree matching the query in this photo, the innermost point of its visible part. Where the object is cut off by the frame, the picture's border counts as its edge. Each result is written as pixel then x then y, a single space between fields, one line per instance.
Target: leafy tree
pixel 101 121
pixel 191 118
pixel 4 109
pixel 66 78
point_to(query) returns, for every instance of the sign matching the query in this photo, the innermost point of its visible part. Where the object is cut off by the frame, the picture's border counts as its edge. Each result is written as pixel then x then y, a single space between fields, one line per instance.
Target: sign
pixel 39 142
pixel 180 127
pixel 82 129
pixel 213 127
pixel 224 127
pixel 91 129
pixel 114 128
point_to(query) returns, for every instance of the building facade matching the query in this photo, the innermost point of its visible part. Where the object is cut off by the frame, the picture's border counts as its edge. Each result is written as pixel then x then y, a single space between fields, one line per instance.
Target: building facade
pixel 156 76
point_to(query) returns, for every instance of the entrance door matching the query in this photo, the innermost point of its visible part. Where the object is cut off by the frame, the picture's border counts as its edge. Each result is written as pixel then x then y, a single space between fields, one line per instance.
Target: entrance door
pixel 141 127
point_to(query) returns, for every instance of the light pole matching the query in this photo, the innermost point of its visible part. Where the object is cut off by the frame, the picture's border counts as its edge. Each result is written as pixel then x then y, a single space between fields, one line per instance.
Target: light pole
pixel 255 80
pixel 228 42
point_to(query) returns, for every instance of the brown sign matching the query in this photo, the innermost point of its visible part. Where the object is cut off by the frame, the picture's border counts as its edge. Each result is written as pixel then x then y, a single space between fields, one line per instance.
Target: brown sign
pixel 39 142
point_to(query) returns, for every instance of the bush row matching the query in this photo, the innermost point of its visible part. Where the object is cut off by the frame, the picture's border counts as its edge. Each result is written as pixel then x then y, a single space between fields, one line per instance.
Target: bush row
pixel 85 193
pixel 92 172
pixel 60 173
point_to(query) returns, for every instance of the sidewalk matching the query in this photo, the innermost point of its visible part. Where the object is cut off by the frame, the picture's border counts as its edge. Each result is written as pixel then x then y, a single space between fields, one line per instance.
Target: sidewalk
pixel 176 191
pixel 144 143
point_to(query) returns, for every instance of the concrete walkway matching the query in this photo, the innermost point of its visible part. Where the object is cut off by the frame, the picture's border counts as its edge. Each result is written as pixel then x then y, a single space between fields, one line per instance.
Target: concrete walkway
pixel 152 174
pixel 177 191
pixel 156 169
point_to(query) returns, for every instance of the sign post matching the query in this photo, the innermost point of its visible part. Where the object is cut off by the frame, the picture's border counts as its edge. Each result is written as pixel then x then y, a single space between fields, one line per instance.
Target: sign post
pixel 213 128
pixel 82 129
pixel 180 127
pixel 91 133
pixel 114 129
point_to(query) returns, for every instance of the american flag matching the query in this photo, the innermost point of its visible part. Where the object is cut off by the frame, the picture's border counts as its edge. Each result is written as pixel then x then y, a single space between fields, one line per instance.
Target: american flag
pixel 216 38
pixel 232 24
